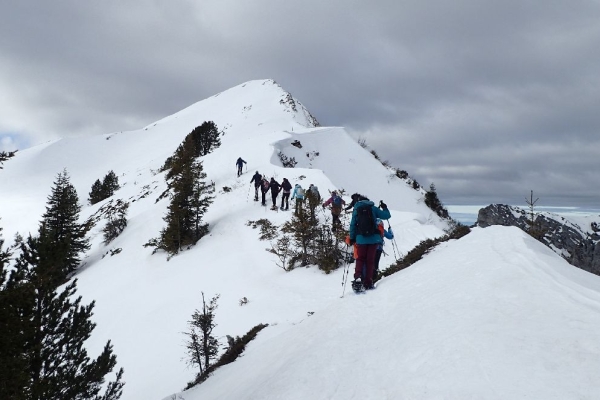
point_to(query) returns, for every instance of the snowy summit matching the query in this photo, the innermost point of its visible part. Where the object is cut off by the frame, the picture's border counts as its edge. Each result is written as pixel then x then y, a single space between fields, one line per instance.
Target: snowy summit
pixel 492 315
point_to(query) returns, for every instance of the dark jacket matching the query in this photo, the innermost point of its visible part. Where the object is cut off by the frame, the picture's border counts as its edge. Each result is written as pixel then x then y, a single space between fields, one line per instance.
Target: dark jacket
pixel 256 178
pixel 286 186
pixel 240 162
pixel 275 187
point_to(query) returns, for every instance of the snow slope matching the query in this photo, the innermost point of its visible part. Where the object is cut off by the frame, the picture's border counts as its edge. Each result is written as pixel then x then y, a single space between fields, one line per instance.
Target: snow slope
pixel 143 301
pixel 495 315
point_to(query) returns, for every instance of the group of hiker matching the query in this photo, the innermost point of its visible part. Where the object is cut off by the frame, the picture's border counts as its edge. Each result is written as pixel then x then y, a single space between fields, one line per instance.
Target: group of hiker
pixel 366 233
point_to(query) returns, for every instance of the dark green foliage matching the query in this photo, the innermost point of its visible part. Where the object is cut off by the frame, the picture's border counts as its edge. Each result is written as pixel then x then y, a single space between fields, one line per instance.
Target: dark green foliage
pixel 423 248
pixel 43 333
pixel 433 202
pixel 202 346
pixel 206 138
pixel 190 198
pixel 236 347
pixel 268 231
pixel 117 220
pixel 5 156
pixel 287 162
pixel 200 142
pixel 105 189
pixel 61 236
pixel 533 227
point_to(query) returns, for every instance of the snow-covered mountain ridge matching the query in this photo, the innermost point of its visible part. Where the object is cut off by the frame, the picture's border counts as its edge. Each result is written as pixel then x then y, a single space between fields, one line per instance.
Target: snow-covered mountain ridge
pixel 493 315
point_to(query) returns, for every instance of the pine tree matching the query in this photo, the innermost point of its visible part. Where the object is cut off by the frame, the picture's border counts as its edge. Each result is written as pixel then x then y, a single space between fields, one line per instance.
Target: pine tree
pixel 206 138
pixel 5 156
pixel 433 202
pixel 96 194
pixel 62 236
pixel 202 346
pixel 302 228
pixel 117 220
pixel 189 201
pixel 110 184
pixel 46 331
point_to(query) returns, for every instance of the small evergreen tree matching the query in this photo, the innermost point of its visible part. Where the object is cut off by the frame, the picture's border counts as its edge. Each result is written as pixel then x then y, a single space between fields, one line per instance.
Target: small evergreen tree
pixel 534 230
pixel 189 201
pixel 110 184
pixel 433 202
pixel 48 330
pixel 202 346
pixel 62 236
pixel 302 228
pixel 96 194
pixel 117 220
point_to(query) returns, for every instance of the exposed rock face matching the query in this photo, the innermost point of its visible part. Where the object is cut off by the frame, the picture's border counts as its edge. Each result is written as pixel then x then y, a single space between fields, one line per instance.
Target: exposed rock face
pixel 576 245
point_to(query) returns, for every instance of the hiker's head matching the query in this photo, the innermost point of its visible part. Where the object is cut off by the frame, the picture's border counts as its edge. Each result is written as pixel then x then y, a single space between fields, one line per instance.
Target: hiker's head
pixel 257 173
pixel 334 193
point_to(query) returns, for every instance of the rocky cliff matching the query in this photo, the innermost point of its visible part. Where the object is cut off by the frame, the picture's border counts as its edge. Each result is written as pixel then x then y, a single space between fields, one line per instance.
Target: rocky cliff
pixel 578 245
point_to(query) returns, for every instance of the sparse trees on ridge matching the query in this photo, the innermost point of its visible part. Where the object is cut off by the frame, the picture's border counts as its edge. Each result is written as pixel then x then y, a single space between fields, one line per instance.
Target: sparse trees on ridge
pixel 5 156
pixel 105 189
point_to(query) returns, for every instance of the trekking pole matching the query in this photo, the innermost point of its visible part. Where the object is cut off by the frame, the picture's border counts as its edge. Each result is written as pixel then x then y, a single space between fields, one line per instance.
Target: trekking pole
pixel 345 273
pixel 394 245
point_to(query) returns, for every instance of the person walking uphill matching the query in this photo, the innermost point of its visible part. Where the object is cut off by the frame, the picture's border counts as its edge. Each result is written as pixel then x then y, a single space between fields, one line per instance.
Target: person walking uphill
pixel 264 188
pixel 298 194
pixel 364 232
pixel 240 163
pixel 336 209
pixel 257 179
pixel 286 187
pixel 275 189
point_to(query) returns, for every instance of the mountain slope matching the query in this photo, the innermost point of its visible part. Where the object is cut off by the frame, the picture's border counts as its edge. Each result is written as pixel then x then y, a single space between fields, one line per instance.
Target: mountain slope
pixel 494 315
pixel 143 301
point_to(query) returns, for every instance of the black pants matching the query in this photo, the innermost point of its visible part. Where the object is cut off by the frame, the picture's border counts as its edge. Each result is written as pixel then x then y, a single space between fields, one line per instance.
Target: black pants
pixel 256 192
pixel 264 201
pixel 274 197
pixel 285 197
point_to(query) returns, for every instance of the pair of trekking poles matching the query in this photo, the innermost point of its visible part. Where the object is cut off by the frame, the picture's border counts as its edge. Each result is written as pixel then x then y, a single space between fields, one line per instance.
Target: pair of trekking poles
pixel 349 261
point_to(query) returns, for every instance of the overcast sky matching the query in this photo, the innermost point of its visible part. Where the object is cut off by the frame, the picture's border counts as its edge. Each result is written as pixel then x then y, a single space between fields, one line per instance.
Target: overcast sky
pixel 487 99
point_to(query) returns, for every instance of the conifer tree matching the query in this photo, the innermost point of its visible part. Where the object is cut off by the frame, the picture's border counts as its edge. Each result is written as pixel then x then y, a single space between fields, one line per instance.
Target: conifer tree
pixel 302 228
pixel 63 238
pixel 117 220
pixel 202 346
pixel 433 202
pixel 206 138
pixel 96 194
pixel 47 332
pixel 110 184
pixel 5 156
pixel 189 201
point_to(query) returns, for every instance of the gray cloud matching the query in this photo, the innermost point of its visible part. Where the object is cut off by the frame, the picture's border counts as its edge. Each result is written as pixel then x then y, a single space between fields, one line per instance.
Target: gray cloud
pixel 486 99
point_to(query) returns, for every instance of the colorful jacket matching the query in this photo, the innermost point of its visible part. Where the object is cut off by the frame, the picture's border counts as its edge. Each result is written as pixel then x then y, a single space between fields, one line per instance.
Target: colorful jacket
pixel 298 192
pixel 377 213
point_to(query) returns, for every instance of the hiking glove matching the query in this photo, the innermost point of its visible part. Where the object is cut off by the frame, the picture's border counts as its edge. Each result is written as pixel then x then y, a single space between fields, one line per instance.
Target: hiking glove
pixel 382 205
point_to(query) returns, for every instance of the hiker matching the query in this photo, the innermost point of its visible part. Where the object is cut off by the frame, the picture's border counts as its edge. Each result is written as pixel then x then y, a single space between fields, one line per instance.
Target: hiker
pixel 298 194
pixel 387 234
pixel 365 234
pixel 264 188
pixel 240 163
pixel 336 209
pixel 314 197
pixel 286 187
pixel 257 179
pixel 355 197
pixel 275 189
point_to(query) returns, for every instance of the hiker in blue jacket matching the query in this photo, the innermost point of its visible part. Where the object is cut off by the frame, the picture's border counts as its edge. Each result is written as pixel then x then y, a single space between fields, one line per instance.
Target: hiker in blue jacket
pixel 298 194
pixel 365 234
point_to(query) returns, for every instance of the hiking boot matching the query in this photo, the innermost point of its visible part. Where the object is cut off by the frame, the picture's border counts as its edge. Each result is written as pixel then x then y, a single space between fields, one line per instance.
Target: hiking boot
pixel 357 285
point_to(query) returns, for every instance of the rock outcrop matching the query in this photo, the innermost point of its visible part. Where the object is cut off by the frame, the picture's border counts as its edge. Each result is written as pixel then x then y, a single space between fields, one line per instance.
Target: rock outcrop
pixel 580 247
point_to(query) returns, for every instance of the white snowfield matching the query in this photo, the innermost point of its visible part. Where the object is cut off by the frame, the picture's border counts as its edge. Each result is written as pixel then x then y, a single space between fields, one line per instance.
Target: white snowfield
pixel 494 315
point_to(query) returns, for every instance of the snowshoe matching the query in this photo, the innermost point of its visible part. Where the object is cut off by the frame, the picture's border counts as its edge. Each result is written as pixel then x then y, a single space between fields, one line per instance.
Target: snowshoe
pixel 274 208
pixel 357 286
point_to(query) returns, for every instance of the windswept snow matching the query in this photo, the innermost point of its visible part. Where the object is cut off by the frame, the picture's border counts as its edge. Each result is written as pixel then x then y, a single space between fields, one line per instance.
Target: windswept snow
pixel 494 315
